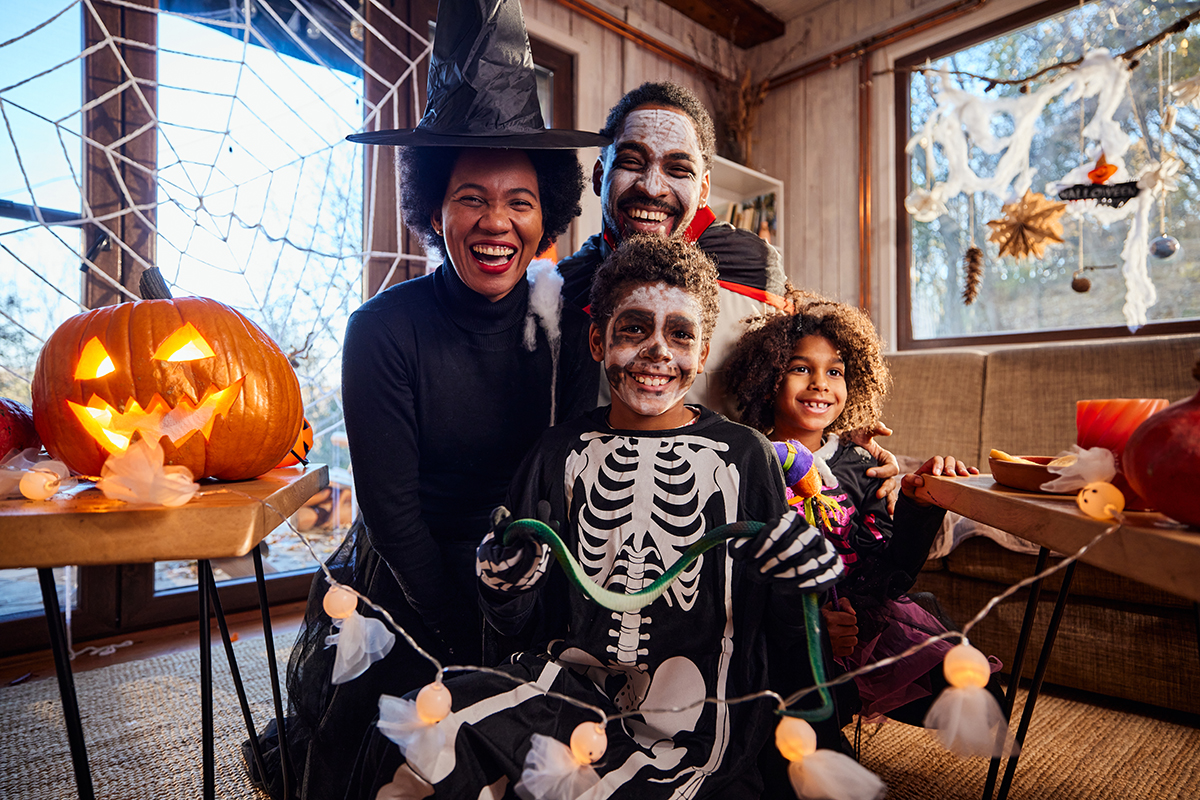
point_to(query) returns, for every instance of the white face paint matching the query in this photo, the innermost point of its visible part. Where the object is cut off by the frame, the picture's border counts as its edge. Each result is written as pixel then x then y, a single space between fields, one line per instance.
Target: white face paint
pixel 652 352
pixel 653 178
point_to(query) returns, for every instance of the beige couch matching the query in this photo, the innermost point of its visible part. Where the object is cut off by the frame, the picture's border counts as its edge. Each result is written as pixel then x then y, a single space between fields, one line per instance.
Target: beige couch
pixel 1118 637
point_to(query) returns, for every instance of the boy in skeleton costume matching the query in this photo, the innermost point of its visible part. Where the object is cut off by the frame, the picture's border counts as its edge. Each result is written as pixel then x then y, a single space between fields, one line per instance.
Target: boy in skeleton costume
pixel 636 482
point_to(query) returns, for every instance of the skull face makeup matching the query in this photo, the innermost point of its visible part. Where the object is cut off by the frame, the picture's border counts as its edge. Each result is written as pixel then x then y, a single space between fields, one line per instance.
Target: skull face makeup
pixel 652 351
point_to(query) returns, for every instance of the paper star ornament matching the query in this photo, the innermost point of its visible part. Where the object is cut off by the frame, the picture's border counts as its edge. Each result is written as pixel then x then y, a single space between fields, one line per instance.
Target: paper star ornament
pixel 1027 225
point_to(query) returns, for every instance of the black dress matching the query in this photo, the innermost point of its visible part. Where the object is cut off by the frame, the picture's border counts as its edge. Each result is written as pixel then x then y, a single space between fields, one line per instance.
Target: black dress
pixel 442 399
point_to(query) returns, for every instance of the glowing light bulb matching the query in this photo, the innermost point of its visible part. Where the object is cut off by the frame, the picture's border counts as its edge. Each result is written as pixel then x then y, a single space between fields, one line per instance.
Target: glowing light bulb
pixel 339 602
pixel 433 702
pixel 1100 500
pixel 588 742
pixel 965 666
pixel 795 738
pixel 38 484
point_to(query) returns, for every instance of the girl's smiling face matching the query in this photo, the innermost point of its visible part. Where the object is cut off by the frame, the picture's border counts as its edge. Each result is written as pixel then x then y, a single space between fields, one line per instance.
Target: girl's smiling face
pixel 812 393
pixel 652 350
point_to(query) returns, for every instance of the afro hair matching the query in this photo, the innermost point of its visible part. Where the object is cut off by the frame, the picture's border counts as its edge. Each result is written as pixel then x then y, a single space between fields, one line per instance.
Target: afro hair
pixel 759 360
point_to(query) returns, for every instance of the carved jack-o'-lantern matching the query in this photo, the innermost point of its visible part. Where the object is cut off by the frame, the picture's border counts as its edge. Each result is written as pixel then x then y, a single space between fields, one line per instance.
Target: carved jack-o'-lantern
pixel 205 382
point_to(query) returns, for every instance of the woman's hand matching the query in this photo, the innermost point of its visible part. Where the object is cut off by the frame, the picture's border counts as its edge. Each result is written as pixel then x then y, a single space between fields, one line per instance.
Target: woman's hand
pixel 842 626
pixel 938 465
pixel 888 467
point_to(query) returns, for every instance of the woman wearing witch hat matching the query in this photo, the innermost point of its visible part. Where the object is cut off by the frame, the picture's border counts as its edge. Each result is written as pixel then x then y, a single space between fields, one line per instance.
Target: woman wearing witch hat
pixel 447 380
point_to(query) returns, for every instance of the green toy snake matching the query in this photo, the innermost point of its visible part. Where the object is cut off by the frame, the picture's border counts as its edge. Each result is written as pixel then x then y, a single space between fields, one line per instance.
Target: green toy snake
pixel 616 601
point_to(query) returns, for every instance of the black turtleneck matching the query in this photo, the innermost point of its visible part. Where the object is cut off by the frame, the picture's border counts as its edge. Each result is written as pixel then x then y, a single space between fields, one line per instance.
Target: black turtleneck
pixel 441 402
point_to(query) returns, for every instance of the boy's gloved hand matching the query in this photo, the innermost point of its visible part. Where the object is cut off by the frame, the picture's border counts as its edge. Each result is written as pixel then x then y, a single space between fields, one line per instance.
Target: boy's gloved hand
pixel 517 567
pixel 789 550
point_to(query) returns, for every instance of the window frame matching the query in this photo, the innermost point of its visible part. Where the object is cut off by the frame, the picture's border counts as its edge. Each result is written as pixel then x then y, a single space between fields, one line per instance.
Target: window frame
pixel 904 324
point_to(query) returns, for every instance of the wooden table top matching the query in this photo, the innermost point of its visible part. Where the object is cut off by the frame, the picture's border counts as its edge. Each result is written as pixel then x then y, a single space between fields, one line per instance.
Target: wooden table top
pixel 1149 548
pixel 83 527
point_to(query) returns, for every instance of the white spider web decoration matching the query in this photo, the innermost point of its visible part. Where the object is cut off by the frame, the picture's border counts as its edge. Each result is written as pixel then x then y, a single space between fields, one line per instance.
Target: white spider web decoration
pixel 258 198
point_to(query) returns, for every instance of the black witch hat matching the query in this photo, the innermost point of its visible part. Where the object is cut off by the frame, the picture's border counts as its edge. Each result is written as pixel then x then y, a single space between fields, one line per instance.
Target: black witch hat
pixel 482 91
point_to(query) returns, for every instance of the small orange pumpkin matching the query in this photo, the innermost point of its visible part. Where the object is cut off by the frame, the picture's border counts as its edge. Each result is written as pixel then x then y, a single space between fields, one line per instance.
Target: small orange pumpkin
pixel 207 383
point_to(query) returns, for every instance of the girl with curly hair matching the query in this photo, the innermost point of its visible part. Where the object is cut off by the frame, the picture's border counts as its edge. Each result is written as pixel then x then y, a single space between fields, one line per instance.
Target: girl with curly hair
pixel 810 377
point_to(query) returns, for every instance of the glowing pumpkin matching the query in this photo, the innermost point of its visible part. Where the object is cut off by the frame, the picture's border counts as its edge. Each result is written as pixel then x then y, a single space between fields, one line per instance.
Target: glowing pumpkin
pixel 214 390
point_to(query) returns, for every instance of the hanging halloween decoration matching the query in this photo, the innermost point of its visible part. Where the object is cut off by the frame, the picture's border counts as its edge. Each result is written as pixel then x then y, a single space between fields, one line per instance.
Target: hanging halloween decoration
pixel 820 774
pixel 192 374
pixel 1027 225
pixel 44 479
pixel 973 269
pixel 962 124
pixel 414 726
pixel 1100 500
pixel 360 641
pixel 966 718
pixel 1079 283
pixel 1113 196
pixel 137 474
pixel 1164 246
pixel 554 771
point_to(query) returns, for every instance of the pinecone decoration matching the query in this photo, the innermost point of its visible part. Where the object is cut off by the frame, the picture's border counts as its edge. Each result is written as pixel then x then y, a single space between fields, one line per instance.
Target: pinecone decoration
pixel 973 266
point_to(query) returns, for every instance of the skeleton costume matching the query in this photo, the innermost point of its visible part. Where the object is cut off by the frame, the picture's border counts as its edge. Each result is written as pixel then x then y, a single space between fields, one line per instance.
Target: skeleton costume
pixel 632 502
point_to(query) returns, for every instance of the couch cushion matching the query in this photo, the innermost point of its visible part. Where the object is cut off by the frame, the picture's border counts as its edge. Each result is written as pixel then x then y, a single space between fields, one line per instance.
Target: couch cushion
pixel 983 559
pixel 1030 392
pixel 935 404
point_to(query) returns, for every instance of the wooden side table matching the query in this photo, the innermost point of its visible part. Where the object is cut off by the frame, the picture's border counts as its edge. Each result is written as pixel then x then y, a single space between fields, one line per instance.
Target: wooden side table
pixel 1147 547
pixel 225 520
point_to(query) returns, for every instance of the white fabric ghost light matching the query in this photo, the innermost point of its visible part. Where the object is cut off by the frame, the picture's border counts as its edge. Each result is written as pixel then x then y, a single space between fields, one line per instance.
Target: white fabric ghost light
pixel 413 726
pixel 966 719
pixel 822 774
pixel 360 641
pixel 554 771
pixel 137 475
pixel 1090 465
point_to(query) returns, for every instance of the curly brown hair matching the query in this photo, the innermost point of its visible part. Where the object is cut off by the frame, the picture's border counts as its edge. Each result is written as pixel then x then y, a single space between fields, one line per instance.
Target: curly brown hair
pixel 646 259
pixel 755 369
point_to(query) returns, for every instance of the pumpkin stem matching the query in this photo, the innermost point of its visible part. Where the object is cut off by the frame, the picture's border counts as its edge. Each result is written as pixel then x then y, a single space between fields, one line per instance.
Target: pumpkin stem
pixel 153 286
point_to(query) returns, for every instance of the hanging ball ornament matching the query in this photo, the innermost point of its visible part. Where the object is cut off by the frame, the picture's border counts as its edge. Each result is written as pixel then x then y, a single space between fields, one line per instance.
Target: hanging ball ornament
pixel 39 484
pixel 1100 500
pixel 1164 247
pixel 1080 283
pixel 588 742
pixel 795 738
pixel 966 666
pixel 339 602
pixel 433 702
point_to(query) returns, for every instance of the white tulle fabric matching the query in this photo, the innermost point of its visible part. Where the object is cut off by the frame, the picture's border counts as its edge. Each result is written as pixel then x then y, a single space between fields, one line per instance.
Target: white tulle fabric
pixel 829 775
pixel 18 462
pixel 553 773
pixel 423 743
pixel 969 722
pixel 137 475
pixel 1092 464
pixel 360 642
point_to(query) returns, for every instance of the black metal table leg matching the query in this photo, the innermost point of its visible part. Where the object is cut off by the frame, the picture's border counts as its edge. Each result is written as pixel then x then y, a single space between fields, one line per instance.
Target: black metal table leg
pixel 1018 663
pixel 1043 662
pixel 66 683
pixel 284 761
pixel 247 715
pixel 203 571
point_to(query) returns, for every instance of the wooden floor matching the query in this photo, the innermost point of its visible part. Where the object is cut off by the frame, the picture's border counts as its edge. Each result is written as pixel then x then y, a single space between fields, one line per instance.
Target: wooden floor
pixel 285 618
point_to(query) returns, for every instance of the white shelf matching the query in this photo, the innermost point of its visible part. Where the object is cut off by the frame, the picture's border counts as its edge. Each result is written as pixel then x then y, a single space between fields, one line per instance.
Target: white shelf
pixel 733 183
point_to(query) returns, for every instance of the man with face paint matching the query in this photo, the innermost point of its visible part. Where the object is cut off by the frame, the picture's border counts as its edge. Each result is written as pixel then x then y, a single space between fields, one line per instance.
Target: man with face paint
pixel 634 485
pixel 654 179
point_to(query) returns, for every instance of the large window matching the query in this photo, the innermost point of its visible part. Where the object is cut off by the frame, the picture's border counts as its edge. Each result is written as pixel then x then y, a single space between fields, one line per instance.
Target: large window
pixel 1038 297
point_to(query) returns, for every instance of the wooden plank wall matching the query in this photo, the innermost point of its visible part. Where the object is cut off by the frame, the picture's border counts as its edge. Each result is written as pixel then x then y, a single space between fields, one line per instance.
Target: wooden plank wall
pixel 808 137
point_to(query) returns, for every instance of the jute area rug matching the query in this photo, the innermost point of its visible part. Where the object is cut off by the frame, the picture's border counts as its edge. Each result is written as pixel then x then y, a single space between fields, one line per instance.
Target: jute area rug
pixel 141 722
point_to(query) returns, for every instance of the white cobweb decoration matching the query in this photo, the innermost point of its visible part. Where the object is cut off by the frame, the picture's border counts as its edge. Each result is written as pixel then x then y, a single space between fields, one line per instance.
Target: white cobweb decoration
pixel 963 122
pixel 255 198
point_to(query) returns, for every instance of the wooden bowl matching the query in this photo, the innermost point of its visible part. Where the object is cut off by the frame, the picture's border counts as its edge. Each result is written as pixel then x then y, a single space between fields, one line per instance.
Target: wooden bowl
pixel 1028 477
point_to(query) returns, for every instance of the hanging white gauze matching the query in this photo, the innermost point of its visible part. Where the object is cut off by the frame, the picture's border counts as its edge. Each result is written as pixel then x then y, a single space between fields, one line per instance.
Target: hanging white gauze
pixel 822 774
pixel 1091 465
pixel 422 740
pixel 553 772
pixel 545 302
pixel 360 642
pixel 137 475
pixel 966 719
